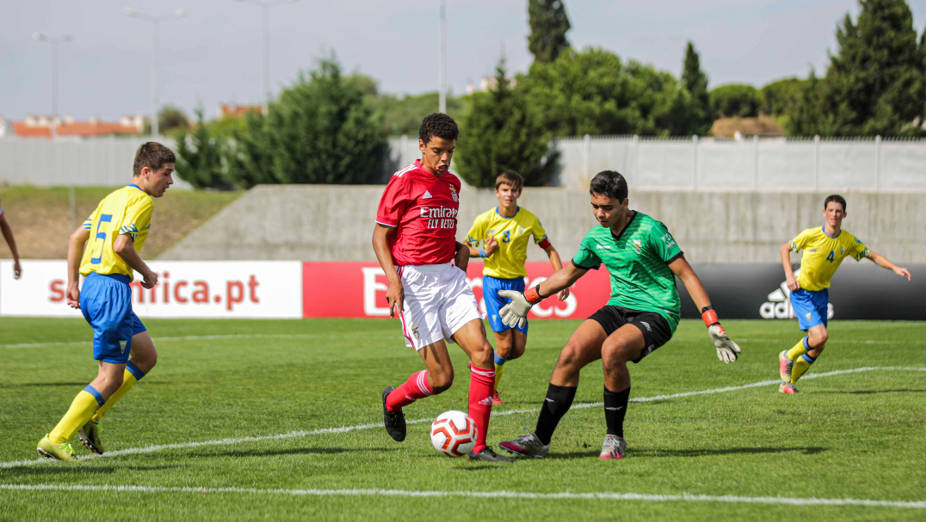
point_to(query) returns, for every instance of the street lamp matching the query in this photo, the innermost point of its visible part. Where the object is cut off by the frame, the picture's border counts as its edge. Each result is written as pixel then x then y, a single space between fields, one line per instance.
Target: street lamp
pixel 156 22
pixel 54 41
pixel 265 6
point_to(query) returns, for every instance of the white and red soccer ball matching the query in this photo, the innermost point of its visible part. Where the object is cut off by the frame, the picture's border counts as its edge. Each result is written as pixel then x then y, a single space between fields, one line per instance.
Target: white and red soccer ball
pixel 453 433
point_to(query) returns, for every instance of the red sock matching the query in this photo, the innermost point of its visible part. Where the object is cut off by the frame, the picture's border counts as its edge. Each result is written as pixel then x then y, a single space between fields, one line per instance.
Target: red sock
pixel 481 383
pixel 413 389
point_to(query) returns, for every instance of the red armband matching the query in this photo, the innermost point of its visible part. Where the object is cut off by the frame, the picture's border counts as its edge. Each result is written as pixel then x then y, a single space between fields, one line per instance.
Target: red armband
pixel 533 294
pixel 544 244
pixel 709 315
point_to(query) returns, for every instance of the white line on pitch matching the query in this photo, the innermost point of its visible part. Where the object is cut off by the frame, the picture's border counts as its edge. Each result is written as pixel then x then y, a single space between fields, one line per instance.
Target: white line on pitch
pixel 345 429
pixel 645 497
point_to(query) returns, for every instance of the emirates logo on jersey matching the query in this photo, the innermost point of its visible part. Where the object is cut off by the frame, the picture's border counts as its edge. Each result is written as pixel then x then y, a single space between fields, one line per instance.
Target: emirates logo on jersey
pixel 439 217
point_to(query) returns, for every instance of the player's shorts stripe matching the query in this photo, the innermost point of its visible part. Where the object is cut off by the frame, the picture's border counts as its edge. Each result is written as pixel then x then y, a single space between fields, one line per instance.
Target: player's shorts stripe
pixel 405 331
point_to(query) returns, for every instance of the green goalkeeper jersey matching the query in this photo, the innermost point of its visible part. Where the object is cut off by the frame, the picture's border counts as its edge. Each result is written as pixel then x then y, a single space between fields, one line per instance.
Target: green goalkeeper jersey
pixel 638 261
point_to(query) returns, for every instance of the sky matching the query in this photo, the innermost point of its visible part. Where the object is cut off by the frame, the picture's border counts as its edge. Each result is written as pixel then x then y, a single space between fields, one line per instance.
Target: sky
pixel 213 54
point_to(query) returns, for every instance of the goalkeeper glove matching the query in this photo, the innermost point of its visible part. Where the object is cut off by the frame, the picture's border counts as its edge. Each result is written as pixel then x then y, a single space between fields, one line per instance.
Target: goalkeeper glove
pixel 514 314
pixel 727 350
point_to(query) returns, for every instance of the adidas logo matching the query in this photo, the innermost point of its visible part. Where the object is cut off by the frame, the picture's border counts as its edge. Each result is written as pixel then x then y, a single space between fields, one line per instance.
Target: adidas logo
pixel 427 195
pixel 778 305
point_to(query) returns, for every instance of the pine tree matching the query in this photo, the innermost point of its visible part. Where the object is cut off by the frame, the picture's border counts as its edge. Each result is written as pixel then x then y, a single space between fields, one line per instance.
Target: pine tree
pixel 200 157
pixel 250 155
pixel 322 130
pixel 871 81
pixel 695 82
pixel 549 25
pixel 499 133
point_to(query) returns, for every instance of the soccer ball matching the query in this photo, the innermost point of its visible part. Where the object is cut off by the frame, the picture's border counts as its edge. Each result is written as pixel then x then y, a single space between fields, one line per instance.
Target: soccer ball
pixel 453 433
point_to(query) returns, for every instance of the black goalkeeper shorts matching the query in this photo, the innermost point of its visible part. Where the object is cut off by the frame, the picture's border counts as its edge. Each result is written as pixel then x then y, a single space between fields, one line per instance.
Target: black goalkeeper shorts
pixel 655 328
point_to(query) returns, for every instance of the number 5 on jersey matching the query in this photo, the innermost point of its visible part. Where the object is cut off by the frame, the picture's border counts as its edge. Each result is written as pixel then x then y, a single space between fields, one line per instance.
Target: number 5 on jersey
pixel 99 239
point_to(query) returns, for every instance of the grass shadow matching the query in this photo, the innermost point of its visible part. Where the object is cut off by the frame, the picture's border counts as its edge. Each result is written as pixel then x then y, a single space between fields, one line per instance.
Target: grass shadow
pixel 270 453
pixel 75 469
pixel 868 392
pixel 664 452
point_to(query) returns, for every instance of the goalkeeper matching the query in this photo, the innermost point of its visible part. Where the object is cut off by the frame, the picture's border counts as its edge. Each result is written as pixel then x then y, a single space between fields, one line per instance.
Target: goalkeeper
pixel 643 260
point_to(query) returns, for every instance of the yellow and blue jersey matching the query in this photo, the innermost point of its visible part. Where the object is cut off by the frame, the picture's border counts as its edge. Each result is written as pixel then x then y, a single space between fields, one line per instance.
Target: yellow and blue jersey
pixel 823 254
pixel 124 211
pixel 512 234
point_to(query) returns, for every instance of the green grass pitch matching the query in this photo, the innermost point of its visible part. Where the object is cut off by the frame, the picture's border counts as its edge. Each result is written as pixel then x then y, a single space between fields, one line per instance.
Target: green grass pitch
pixel 282 420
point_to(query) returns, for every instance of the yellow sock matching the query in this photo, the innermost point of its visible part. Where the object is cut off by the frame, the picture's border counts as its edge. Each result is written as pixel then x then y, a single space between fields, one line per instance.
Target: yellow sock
pixel 797 350
pixel 85 403
pixel 801 365
pixel 128 380
pixel 499 370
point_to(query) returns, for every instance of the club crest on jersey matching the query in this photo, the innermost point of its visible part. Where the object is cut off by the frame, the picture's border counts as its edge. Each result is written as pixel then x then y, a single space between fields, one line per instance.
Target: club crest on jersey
pixel 453 193
pixel 637 245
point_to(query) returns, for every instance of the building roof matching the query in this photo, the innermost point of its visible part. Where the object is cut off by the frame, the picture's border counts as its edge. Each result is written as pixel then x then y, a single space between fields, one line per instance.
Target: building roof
pixel 41 127
pixel 762 126
pixel 233 109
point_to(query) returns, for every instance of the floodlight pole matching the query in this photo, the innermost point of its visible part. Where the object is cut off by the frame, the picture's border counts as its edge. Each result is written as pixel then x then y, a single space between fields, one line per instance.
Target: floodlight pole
pixel 442 103
pixel 53 41
pixel 265 6
pixel 155 43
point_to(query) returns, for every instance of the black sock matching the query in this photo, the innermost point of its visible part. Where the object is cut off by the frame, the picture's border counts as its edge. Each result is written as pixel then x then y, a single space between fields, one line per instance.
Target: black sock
pixel 615 407
pixel 556 404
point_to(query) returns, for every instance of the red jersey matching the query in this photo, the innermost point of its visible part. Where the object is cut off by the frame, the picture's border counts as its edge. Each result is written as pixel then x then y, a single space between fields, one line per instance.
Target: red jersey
pixel 423 210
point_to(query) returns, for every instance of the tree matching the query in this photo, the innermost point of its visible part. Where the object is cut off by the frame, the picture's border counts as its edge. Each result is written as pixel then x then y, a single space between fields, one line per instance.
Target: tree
pixel 695 82
pixel 735 99
pixel 402 115
pixel 549 25
pixel 250 156
pixel 200 157
pixel 322 130
pixel 593 92
pixel 871 83
pixel 500 133
pixel 172 120
pixel 808 117
pixel 782 96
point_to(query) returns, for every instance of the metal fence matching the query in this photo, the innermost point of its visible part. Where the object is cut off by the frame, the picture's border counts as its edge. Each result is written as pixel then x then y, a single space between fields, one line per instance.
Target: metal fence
pixel 696 163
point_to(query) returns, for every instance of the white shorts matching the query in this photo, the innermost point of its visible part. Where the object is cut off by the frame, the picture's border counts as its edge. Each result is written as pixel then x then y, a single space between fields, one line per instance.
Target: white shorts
pixel 438 302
